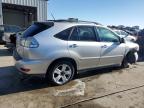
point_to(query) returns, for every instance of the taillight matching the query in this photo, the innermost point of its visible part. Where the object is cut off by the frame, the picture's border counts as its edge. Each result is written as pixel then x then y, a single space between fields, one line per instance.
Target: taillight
pixel 29 42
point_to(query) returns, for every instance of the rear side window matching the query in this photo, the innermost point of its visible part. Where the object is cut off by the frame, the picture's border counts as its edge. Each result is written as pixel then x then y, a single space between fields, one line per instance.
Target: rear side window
pixel 83 33
pixel 37 28
pixel 64 35
pixel 74 36
pixel 86 33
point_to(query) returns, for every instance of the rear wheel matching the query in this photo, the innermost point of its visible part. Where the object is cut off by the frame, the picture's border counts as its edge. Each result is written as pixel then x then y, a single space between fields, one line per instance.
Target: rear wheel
pixel 61 73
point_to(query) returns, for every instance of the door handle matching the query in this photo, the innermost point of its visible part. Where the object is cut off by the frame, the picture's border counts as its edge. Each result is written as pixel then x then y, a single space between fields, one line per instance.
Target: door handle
pixel 73 46
pixel 104 46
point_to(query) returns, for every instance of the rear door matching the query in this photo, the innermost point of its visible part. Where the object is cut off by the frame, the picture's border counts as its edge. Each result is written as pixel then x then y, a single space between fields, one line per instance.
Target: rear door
pixel 84 47
pixel 112 51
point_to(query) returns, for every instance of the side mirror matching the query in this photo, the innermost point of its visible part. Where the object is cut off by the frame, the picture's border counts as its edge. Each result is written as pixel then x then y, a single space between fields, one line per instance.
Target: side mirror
pixel 122 40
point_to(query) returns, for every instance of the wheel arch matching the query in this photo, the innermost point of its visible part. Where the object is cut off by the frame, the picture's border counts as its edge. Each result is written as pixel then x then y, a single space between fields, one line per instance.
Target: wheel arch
pixel 129 55
pixel 63 59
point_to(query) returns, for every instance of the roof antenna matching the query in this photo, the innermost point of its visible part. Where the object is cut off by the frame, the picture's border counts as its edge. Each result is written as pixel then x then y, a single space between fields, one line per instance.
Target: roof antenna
pixel 53 16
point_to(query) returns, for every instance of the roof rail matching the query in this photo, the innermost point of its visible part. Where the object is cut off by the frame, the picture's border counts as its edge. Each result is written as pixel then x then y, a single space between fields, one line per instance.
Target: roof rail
pixel 90 22
pixel 74 20
pixel 66 20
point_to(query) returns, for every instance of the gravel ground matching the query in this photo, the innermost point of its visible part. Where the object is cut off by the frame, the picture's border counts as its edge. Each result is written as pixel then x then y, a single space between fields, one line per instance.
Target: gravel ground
pixel 105 88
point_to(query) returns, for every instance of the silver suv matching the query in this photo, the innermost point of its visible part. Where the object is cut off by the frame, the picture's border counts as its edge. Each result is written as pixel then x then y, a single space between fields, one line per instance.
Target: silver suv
pixel 62 48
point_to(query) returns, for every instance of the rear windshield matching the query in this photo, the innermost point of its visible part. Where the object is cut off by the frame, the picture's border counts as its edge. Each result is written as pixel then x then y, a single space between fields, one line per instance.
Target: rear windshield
pixel 37 28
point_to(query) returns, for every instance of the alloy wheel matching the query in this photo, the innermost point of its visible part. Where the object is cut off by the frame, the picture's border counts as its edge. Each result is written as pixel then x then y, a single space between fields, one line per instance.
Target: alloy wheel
pixel 62 74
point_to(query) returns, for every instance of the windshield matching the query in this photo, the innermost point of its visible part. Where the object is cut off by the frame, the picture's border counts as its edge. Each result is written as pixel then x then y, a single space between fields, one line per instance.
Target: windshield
pixel 121 33
pixel 124 33
pixel 118 32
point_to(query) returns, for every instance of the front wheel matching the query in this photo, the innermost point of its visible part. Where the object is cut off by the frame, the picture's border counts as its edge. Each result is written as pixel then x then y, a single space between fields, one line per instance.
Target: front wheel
pixel 131 58
pixel 125 63
pixel 61 73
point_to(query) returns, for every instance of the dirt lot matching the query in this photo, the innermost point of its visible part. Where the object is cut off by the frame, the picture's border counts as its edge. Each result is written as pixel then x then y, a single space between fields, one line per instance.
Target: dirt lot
pixel 105 88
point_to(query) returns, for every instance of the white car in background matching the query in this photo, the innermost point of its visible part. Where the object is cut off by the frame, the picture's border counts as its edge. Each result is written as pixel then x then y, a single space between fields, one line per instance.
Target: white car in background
pixel 125 35
pixel 10 30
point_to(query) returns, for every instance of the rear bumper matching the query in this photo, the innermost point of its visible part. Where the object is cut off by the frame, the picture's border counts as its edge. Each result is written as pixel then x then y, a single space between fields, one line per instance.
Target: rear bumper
pixel 32 67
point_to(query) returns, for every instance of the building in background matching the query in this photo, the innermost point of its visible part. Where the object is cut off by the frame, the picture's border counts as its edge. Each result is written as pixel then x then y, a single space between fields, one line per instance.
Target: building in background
pixel 22 12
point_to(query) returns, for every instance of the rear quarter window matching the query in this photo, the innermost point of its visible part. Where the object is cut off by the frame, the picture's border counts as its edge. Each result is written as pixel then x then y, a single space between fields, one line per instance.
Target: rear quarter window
pixel 64 35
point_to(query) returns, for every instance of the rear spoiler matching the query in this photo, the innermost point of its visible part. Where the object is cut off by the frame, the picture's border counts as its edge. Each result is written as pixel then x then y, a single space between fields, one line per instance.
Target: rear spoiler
pixel 48 23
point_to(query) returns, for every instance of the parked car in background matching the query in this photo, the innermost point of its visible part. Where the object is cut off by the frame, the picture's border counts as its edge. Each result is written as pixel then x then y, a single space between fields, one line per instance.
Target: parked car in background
pixel 10 30
pixel 1 34
pixel 60 49
pixel 126 35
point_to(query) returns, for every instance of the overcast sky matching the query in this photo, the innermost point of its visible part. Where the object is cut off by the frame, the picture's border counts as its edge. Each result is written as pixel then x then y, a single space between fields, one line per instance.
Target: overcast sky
pixel 107 12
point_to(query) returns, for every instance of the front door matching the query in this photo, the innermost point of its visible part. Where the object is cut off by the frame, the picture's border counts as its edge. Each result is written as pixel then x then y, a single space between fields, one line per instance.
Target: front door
pixel 112 50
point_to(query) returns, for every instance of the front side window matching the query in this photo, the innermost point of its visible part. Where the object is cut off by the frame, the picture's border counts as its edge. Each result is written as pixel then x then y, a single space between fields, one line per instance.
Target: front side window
pixel 106 35
pixel 83 33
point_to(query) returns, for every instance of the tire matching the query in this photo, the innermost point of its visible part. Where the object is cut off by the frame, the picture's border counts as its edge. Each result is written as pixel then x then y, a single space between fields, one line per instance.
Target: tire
pixel 125 63
pixel 132 58
pixel 60 73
